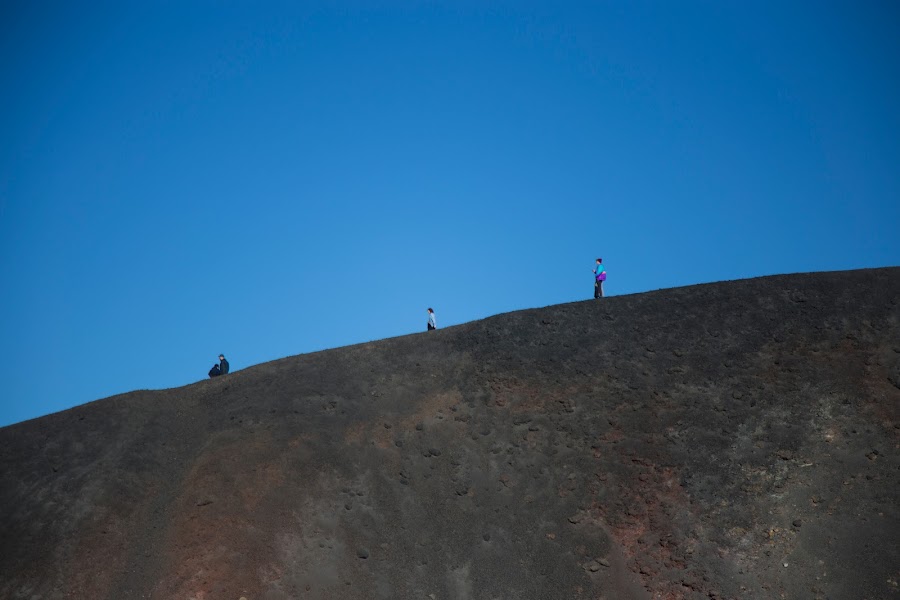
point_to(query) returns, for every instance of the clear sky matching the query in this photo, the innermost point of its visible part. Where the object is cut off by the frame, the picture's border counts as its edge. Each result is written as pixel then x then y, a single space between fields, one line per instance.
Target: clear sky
pixel 180 179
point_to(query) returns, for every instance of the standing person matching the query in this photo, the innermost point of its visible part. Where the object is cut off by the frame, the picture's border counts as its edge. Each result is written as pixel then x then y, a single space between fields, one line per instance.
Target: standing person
pixel 223 365
pixel 599 278
pixel 432 324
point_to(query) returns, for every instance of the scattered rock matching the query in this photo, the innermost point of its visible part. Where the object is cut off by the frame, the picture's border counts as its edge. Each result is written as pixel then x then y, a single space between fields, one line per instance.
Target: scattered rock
pixel 362 553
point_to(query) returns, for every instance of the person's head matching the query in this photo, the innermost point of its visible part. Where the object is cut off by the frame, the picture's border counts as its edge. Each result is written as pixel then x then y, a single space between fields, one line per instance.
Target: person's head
pixel 599 260
pixel 221 357
pixel 430 310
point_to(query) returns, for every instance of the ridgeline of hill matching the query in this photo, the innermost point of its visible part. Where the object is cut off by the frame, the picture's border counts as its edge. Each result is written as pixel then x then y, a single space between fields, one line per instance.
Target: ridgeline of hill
pixel 733 440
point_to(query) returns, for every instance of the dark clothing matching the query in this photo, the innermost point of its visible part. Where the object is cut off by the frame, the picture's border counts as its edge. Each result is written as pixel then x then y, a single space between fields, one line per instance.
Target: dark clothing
pixel 223 366
pixel 598 288
pixel 214 372
pixel 430 327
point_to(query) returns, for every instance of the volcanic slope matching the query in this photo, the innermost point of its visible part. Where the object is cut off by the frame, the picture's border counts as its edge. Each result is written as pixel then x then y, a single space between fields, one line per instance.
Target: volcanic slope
pixel 732 440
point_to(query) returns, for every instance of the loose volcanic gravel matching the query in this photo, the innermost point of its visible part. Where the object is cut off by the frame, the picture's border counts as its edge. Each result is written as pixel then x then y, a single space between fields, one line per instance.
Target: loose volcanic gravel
pixel 731 440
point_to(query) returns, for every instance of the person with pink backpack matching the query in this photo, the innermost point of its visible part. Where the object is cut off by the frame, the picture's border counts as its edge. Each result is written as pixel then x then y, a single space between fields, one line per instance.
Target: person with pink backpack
pixel 599 278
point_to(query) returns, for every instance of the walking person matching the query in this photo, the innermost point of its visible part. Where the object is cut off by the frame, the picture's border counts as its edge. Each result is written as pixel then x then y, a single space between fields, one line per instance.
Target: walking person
pixel 599 278
pixel 432 324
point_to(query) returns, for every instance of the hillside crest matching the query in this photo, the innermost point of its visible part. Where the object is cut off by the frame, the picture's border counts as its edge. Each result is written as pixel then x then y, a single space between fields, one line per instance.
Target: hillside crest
pixel 683 443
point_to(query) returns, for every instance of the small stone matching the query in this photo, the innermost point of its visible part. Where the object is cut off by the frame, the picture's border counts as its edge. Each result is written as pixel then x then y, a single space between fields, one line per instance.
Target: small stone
pixel 603 562
pixel 593 567
pixel 797 522
pixel 434 452
pixel 486 537
pixel 420 426
pixel 362 553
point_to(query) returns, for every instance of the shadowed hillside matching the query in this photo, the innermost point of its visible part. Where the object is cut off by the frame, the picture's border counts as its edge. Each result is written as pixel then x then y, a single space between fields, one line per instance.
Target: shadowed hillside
pixel 733 440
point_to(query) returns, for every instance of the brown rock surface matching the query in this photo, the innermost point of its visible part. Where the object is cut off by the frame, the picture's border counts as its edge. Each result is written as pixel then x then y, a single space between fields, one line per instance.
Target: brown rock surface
pixel 684 443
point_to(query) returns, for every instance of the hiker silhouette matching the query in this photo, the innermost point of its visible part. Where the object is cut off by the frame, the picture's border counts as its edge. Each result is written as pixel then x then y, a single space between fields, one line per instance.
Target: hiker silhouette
pixel 599 278
pixel 220 368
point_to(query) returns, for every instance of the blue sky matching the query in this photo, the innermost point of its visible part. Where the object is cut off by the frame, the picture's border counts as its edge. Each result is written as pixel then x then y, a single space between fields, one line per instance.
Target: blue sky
pixel 179 179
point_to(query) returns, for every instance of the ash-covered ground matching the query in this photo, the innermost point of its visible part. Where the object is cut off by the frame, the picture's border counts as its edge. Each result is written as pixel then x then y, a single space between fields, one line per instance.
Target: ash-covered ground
pixel 733 440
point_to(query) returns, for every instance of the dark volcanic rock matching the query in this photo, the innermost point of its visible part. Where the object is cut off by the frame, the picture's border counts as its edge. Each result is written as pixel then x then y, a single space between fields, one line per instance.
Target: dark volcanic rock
pixel 684 443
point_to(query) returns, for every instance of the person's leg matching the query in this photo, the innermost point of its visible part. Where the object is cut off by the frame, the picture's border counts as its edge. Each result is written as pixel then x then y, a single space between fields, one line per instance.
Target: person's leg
pixel 601 288
pixel 596 289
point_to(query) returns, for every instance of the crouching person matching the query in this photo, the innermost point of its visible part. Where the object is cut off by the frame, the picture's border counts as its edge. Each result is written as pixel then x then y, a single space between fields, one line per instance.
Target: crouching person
pixel 221 368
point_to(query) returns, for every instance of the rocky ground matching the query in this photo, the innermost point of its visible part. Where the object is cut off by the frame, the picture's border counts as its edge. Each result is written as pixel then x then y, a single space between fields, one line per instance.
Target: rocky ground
pixel 733 440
